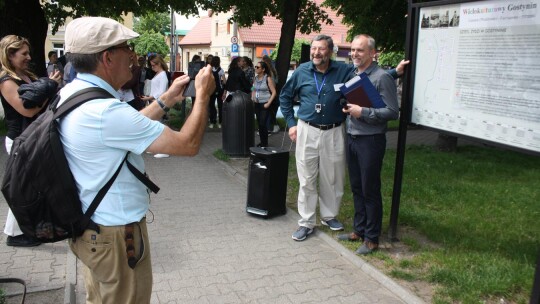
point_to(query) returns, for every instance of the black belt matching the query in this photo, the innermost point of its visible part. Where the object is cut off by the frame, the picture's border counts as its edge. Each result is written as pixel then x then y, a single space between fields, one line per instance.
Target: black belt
pixel 323 127
pixel 362 136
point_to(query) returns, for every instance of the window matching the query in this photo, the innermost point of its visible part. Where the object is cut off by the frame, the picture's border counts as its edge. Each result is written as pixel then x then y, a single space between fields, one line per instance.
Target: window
pixel 217 28
pixel 59 49
pixel 228 27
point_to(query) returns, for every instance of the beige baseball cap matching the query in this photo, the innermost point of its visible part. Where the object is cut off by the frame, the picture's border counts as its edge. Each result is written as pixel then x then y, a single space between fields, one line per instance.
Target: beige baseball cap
pixel 91 35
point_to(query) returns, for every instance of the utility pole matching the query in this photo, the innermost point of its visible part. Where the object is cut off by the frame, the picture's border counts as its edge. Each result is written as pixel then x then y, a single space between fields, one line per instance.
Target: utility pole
pixel 174 45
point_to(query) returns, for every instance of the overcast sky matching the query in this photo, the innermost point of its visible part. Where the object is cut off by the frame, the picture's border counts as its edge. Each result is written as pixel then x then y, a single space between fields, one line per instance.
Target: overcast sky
pixel 183 23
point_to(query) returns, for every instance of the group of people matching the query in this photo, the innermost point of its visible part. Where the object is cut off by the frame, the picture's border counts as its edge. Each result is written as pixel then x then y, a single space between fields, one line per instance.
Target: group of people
pixel 330 136
pixel 259 81
pixel 98 50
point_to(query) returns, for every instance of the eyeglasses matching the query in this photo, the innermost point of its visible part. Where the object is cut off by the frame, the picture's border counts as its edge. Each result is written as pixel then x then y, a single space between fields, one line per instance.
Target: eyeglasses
pixel 116 47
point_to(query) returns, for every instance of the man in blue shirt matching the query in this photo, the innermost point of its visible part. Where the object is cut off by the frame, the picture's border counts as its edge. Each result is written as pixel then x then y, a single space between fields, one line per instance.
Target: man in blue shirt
pixel 96 137
pixel 319 135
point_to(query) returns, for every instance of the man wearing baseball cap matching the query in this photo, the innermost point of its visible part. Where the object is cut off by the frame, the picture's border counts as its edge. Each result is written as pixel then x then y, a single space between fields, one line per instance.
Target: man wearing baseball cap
pixel 96 137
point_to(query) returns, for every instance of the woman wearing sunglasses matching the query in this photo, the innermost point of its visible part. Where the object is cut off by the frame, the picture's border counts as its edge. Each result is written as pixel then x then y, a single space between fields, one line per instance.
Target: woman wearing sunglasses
pixel 263 94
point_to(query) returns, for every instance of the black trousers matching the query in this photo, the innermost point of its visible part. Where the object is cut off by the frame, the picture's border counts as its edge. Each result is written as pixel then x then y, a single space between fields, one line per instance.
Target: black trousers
pixel 365 155
pixel 262 116
pixel 212 113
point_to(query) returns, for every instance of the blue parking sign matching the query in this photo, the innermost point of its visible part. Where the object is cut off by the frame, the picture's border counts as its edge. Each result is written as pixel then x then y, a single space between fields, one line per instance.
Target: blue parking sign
pixel 234 47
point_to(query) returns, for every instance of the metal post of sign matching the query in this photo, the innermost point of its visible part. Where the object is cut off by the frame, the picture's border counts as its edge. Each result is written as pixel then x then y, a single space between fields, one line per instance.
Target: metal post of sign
pixel 402 136
pixel 173 43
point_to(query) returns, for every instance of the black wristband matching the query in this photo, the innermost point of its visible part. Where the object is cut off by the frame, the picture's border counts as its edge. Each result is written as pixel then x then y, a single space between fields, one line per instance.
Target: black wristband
pixel 162 105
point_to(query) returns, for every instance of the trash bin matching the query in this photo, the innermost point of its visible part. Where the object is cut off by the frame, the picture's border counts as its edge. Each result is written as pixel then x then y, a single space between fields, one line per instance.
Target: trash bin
pixel 237 124
pixel 267 181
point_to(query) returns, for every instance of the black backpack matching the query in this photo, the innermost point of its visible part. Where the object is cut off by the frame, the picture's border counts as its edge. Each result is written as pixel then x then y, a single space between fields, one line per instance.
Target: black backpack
pixel 38 184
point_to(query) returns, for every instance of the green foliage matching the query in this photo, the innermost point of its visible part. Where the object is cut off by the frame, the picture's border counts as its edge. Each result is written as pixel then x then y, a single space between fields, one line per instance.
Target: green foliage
pixel 390 59
pixel 383 20
pixel 2 296
pixel 483 226
pixel 153 22
pixel 3 128
pixel 249 12
pixel 221 155
pixel 296 52
pixel 58 11
pixel 151 42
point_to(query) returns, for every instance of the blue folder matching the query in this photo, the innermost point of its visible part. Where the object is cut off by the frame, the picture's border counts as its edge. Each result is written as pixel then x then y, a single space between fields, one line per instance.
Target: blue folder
pixel 363 93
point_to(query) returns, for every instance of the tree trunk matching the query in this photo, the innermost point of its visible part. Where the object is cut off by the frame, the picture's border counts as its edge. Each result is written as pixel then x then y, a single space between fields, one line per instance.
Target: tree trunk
pixel 26 18
pixel 291 10
pixel 446 143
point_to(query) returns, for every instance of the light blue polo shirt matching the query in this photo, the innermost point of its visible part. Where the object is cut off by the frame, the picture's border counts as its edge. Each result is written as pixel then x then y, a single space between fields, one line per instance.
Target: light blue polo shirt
pixel 96 137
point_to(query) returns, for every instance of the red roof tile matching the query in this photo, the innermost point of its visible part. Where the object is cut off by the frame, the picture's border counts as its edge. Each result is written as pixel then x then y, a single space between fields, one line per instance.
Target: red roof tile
pixel 270 31
pixel 200 34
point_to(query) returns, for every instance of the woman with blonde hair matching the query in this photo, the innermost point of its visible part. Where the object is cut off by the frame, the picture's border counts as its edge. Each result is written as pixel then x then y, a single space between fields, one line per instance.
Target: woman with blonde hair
pixel 158 85
pixel 14 72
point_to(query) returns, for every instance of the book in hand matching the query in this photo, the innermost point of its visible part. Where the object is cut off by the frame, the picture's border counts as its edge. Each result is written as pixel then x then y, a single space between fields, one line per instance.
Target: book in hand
pixel 360 91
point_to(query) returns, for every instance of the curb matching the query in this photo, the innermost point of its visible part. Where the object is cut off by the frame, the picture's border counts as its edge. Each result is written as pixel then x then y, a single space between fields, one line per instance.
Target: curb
pixel 70 296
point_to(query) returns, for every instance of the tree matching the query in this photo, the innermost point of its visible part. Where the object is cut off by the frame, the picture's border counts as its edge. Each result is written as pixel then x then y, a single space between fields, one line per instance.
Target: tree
pixel 390 59
pixel 383 20
pixel 304 15
pixel 150 42
pixel 296 51
pixel 153 22
pixel 30 18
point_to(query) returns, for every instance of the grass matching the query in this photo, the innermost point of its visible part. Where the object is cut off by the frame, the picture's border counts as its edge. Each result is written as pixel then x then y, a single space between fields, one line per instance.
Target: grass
pixel 219 154
pixel 3 128
pixel 479 207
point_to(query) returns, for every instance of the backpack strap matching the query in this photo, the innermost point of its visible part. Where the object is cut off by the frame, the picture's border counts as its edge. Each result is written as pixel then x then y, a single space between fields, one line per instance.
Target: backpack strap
pixel 71 104
pixel 15 280
pixel 101 194
pixel 142 177
pixel 78 99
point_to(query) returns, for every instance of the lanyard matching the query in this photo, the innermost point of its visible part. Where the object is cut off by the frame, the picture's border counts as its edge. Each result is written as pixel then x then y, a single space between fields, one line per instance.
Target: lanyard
pixel 319 89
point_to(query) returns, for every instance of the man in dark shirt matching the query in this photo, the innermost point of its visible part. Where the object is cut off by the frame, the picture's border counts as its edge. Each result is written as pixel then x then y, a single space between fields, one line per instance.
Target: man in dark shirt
pixel 319 135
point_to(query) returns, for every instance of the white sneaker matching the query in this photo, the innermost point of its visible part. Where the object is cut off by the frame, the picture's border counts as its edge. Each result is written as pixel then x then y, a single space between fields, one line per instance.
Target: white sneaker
pixel 161 155
pixel 276 129
pixel 219 126
pixel 211 126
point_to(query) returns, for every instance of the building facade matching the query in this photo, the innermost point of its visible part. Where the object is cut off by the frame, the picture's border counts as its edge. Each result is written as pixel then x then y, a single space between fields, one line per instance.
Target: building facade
pixel 215 35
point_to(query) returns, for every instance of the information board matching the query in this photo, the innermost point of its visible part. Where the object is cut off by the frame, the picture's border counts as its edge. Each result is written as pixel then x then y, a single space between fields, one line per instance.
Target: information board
pixel 477 71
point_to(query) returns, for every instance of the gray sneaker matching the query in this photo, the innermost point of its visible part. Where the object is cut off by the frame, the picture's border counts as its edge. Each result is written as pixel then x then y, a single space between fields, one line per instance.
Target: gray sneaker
pixel 333 224
pixel 367 248
pixel 302 233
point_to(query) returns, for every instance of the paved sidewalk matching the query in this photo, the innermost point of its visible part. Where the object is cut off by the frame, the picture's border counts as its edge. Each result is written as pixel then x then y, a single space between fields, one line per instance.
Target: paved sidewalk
pixel 207 249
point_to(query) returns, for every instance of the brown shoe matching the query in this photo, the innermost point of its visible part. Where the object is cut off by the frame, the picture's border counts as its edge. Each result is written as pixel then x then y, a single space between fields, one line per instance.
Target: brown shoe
pixel 352 237
pixel 367 248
